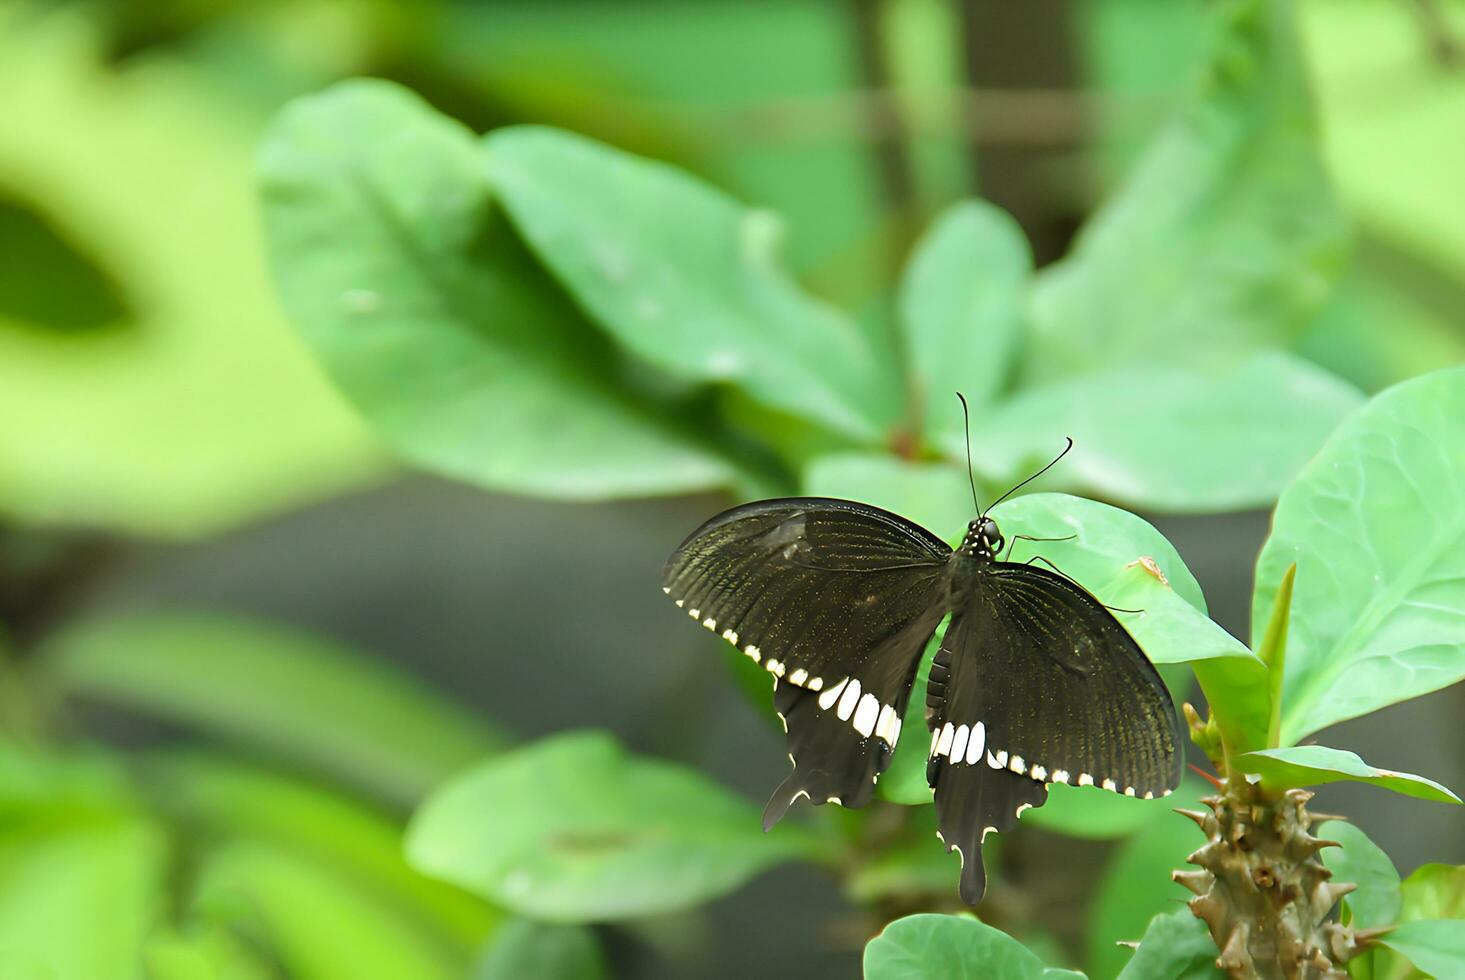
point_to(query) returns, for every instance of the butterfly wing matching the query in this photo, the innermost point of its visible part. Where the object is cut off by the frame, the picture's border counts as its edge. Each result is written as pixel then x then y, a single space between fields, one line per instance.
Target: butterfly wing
pixel 836 600
pixel 1035 683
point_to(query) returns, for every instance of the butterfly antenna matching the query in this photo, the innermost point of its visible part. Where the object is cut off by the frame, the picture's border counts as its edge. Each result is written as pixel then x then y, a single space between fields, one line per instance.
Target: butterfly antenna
pixel 966 419
pixel 1031 478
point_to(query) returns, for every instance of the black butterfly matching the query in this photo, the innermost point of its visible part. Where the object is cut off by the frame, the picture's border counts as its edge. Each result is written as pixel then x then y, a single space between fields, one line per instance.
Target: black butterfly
pixel 1035 681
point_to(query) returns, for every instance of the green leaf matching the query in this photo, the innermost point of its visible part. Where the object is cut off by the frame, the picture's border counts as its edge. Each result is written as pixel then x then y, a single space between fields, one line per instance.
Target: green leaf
pixel 934 495
pixel 523 948
pixel 961 305
pixel 407 281
pixel 951 947
pixel 1436 946
pixel 318 923
pixel 1136 430
pixel 80 901
pixel 1434 891
pixel 208 954
pixel 343 837
pixel 1314 765
pixel 574 829
pixel 1134 887
pixel 1096 814
pixel 1273 653
pixel 1376 526
pixel 1226 235
pixel 276 689
pixel 1377 900
pixel 1176 946
pixel 199 410
pixel 687 278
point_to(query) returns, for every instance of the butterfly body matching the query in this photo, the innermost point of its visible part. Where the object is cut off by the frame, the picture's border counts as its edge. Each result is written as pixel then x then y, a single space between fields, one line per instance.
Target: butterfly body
pixel 1034 682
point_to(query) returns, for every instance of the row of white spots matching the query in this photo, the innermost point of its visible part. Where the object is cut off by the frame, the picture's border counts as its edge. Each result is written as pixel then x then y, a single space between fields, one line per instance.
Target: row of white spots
pixel 863 711
pixel 967 744
pixel 799 677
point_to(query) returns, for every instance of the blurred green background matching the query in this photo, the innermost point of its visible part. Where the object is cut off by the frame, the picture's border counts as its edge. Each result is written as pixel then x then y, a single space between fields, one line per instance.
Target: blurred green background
pixel 240 643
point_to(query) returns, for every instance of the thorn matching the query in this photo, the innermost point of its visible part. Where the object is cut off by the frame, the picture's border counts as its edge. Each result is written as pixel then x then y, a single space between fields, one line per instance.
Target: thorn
pixel 1313 818
pixel 1196 881
pixel 1326 895
pixel 1314 844
pixel 1234 955
pixel 1198 816
pixel 1366 937
pixel 1128 943
pixel 1213 780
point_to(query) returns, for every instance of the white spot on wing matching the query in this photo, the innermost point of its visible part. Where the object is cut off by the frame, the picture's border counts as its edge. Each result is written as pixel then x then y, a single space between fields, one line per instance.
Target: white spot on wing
pixel 1060 775
pixel 1017 764
pixel 798 677
pixel 848 700
pixel 1109 785
pixel 710 623
pixel 948 732
pixel 1039 773
pixel 1084 779
pixel 866 715
pixel 958 743
pixel 827 699
pixel 977 745
pixel 730 637
pixel 816 684
pixel 886 726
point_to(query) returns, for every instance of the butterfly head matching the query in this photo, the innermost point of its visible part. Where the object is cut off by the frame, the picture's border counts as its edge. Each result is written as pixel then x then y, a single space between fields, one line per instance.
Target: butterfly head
pixel 982 538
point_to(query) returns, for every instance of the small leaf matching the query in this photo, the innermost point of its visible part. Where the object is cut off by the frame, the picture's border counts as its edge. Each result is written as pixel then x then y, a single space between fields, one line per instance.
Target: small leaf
pixel 1226 236
pixel 400 271
pixel 1136 430
pixel 273 688
pixel 1176 946
pixel 526 950
pixel 1135 886
pixel 1436 946
pixel 949 947
pixel 1273 653
pixel 574 829
pixel 961 303
pixel 1376 526
pixel 1362 862
pixel 1314 765
pixel 687 278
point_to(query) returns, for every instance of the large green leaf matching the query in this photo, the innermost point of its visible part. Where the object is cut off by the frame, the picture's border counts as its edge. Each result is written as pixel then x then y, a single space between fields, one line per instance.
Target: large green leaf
pixel 1134 887
pixel 204 954
pixel 1226 234
pixel 197 409
pixel 1432 892
pixel 1314 765
pixel 1166 437
pixel 1376 526
pixel 527 950
pixel 406 279
pixel 951 947
pixel 270 687
pixel 1364 863
pixel 1436 946
pixel 1176 946
pixel 961 306
pixel 687 278
pixel 574 829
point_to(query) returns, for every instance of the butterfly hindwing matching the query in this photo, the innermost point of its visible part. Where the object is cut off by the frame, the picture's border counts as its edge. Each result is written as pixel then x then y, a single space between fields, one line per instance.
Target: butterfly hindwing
pixel 1038 683
pixel 836 600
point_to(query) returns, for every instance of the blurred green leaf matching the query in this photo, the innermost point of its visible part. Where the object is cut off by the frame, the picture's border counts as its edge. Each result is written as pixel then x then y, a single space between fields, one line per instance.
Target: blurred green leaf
pixel 526 950
pixel 961 302
pixel 934 495
pixel 1273 653
pixel 1436 946
pixel 209 954
pixel 220 798
pixel 951 947
pixel 1097 814
pixel 402 274
pixel 687 278
pixel 317 922
pixel 1314 765
pixel 273 688
pixel 80 901
pixel 1134 887
pixel 48 282
pixel 1432 892
pixel 1376 526
pixel 200 411
pixel 1361 861
pixel 574 829
pixel 1136 430
pixel 1225 236
pixel 1176 946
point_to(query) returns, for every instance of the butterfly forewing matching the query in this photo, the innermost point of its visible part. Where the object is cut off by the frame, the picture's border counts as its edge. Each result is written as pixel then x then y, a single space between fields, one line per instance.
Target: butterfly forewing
pixel 836 600
pixel 1038 683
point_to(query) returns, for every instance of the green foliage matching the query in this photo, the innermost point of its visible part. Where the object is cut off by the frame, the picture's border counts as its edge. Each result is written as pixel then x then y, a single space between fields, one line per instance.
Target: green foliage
pixel 1313 765
pixel 1376 527
pixel 259 686
pixel 1435 946
pixel 687 279
pixel 405 278
pixel 946 947
pixel 1176 946
pixel 573 829
pixel 1362 862
pixel 1433 893
pixel 524 948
